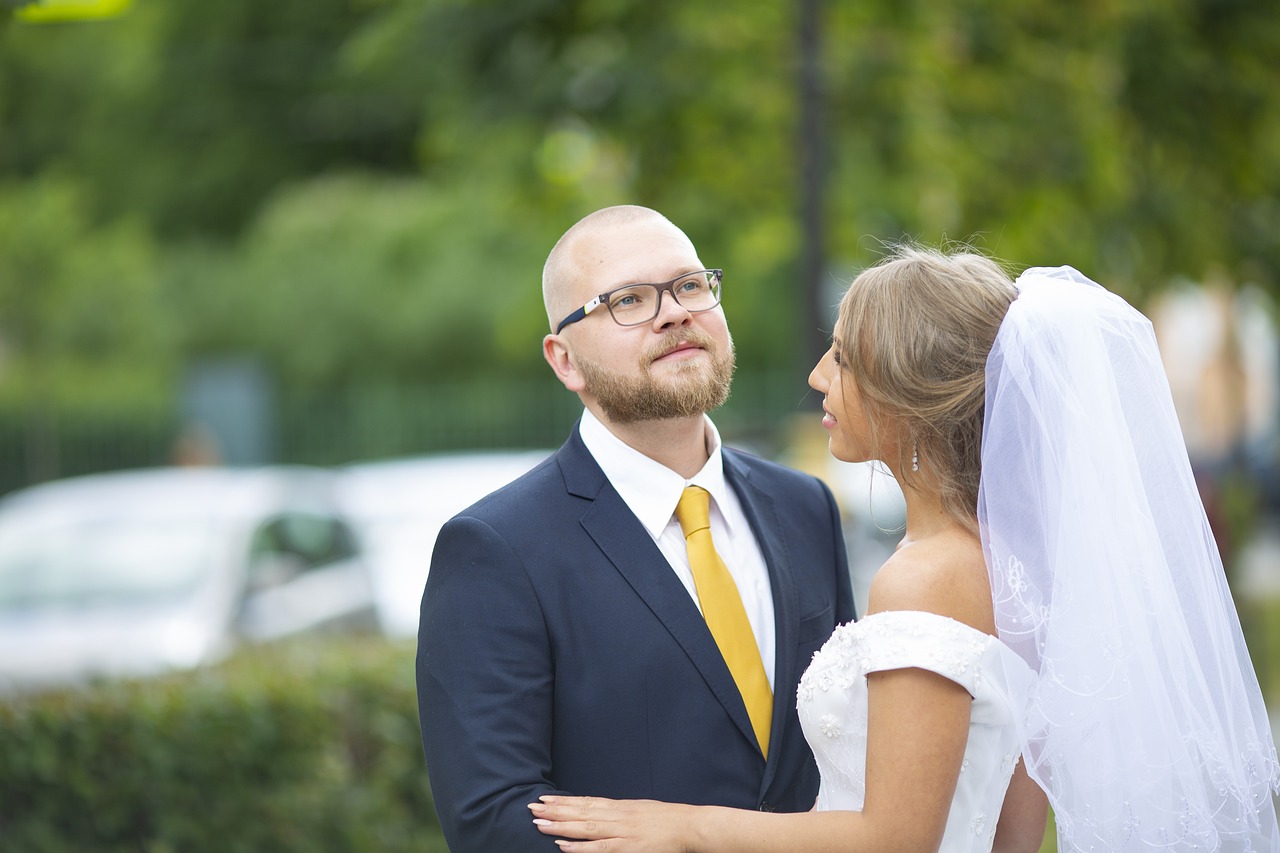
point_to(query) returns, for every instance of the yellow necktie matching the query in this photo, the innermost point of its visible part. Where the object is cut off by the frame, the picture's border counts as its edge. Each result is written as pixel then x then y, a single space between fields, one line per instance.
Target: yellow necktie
pixel 723 610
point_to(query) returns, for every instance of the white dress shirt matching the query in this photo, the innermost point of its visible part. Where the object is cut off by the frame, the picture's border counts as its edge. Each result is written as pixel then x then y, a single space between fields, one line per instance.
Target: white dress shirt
pixel 652 490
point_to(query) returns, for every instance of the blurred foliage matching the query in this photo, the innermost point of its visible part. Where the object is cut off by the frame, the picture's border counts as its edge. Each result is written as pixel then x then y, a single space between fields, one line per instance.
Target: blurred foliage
pixel 365 190
pixel 350 277
pixel 1133 140
pixel 80 312
pixel 307 747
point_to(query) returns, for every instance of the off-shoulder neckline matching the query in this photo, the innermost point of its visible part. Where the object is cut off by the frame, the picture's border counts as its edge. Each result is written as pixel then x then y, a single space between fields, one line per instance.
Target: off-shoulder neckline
pixel 911 613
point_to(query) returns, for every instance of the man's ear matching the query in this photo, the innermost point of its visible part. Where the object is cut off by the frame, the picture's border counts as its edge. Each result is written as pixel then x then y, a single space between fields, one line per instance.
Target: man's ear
pixel 557 354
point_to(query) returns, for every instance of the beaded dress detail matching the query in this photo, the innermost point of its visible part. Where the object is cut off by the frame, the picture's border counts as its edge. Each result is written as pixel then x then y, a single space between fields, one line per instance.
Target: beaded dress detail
pixel 832 702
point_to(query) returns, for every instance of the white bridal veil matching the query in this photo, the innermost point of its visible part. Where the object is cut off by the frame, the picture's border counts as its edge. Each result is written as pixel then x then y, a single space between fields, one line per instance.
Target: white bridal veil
pixel 1145 725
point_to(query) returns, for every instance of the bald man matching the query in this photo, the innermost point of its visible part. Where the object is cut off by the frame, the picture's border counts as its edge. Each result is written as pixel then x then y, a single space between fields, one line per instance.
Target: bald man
pixel 563 644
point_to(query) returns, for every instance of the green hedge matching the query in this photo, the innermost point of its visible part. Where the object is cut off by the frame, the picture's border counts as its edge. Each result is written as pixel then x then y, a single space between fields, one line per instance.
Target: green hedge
pixel 307 747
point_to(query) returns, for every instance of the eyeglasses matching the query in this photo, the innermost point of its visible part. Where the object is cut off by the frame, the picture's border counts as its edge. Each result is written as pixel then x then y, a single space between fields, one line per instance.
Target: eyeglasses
pixel 639 303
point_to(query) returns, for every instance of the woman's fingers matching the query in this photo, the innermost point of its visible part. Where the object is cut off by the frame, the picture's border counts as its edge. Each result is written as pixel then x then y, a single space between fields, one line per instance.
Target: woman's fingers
pixel 585 829
pixel 600 825
pixel 571 808
pixel 574 817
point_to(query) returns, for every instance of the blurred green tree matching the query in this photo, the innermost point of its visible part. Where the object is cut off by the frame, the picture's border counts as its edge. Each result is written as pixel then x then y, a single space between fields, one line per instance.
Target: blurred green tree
pixel 82 324
pixel 80 309
pixel 191 115
pixel 363 190
pixel 1126 138
pixel 359 277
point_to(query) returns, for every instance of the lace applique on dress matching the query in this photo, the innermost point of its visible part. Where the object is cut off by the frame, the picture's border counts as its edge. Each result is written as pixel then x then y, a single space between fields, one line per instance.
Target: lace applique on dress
pixel 832 701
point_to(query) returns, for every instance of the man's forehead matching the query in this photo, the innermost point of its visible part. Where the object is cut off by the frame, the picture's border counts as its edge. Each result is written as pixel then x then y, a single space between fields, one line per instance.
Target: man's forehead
pixel 651 250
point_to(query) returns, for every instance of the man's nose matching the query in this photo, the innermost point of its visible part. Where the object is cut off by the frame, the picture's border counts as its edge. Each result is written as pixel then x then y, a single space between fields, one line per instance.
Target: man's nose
pixel 670 312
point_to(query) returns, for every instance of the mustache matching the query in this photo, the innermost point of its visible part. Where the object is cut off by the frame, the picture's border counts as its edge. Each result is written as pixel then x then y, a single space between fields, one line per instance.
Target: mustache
pixel 671 340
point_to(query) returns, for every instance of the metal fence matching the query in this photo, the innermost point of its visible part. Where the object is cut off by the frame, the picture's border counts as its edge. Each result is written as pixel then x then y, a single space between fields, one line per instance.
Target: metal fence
pixel 361 422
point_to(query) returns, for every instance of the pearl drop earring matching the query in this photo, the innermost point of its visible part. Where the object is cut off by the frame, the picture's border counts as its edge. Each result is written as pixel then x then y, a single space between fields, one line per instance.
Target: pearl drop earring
pixel 915 457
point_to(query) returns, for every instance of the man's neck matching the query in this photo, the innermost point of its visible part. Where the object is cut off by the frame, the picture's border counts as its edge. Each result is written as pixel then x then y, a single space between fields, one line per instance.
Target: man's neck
pixel 680 443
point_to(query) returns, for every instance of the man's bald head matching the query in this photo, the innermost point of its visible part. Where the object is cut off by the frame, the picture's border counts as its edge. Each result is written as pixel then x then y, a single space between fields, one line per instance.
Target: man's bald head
pixel 567 261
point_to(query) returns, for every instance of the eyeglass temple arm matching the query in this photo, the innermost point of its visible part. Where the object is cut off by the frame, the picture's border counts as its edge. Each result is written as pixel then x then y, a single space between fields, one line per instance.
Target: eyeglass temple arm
pixel 580 313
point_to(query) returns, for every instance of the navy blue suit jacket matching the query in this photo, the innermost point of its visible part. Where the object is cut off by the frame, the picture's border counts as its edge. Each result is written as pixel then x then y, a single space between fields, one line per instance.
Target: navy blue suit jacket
pixel 559 653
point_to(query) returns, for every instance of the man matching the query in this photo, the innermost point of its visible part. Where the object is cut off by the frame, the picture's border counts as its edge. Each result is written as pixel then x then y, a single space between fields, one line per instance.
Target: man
pixel 571 640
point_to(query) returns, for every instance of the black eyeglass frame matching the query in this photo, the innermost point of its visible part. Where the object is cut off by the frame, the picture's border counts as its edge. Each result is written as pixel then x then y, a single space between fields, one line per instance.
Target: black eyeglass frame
pixel 665 287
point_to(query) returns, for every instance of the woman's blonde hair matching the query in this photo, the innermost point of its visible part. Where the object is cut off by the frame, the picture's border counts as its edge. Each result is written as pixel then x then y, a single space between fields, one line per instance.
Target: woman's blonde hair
pixel 914 333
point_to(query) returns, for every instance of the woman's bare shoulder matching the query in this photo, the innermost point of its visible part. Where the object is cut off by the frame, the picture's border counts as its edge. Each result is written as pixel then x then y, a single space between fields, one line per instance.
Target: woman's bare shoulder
pixel 943 574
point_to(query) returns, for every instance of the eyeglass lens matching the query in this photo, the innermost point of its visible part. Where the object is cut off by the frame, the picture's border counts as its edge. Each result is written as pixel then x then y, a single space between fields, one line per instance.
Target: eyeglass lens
pixel 639 303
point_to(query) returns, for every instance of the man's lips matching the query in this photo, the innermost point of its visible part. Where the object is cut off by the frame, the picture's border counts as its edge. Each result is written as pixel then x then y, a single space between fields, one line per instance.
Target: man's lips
pixel 684 349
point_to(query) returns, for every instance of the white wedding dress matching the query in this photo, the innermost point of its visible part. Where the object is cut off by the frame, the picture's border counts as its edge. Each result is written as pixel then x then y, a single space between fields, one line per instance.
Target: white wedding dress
pixel 832 701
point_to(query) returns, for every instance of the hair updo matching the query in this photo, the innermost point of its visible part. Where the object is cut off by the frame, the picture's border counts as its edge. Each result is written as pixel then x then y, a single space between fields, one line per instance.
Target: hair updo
pixel 914 332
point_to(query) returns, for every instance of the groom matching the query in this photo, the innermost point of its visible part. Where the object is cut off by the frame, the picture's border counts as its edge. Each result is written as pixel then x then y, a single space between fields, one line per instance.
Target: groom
pixel 572 639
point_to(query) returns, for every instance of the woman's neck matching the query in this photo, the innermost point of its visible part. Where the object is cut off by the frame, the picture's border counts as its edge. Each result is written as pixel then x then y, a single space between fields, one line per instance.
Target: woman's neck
pixel 926 515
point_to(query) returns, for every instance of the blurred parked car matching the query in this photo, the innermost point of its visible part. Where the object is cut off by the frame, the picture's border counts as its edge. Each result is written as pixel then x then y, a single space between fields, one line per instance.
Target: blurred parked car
pixel 874 516
pixel 134 573
pixel 398 507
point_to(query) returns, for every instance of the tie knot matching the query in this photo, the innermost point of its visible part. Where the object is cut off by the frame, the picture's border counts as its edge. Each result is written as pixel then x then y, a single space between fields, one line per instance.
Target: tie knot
pixel 694 510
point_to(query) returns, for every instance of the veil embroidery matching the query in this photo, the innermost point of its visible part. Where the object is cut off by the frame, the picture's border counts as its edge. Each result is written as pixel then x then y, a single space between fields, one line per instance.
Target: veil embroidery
pixel 1145 725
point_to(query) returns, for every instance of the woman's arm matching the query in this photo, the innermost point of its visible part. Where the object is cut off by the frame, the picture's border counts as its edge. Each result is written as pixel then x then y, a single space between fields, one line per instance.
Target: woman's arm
pixel 917 729
pixel 1023 817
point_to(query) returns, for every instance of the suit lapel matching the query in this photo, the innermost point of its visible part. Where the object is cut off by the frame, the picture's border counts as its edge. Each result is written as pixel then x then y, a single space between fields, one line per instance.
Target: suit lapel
pixel 761 512
pixel 618 533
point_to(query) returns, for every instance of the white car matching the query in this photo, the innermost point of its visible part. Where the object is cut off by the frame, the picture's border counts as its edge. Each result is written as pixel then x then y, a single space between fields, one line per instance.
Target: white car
pixel 398 507
pixel 134 573
pixel 874 516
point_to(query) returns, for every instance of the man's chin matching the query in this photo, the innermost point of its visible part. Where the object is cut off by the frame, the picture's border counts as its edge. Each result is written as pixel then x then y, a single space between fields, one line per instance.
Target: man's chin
pixel 673 374
pixel 693 389
pixel 659 403
pixel 630 418
pixel 668 390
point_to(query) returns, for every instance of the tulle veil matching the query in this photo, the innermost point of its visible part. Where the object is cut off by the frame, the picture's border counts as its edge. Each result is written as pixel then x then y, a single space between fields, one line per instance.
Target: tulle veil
pixel 1145 724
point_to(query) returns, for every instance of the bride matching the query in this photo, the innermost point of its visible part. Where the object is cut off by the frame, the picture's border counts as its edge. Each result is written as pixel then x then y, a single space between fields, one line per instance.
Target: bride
pixel 1054 628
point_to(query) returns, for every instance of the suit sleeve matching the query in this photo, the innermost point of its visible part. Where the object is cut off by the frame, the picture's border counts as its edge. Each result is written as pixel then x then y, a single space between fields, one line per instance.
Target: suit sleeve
pixel 484 673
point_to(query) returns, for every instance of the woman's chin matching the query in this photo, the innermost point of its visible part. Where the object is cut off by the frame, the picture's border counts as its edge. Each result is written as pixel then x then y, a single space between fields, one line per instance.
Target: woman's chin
pixel 841 452
pixel 843 455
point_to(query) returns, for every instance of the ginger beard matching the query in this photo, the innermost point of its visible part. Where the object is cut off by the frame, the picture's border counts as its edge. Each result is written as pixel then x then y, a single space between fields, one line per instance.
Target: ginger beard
pixel 696 388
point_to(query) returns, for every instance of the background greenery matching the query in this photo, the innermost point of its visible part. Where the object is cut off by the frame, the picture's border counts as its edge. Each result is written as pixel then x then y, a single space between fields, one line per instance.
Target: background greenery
pixel 361 192
pixel 357 195
pixel 304 747
pixel 309 747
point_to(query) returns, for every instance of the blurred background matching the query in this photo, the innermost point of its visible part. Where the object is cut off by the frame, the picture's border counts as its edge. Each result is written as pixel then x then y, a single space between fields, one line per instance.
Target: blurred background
pixel 301 242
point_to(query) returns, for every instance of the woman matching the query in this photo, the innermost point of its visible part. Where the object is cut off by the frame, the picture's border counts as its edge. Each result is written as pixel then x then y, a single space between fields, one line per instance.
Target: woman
pixel 1119 685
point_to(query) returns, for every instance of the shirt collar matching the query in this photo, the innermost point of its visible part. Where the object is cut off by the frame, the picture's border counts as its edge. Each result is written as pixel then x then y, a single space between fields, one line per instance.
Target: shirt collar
pixel 649 488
